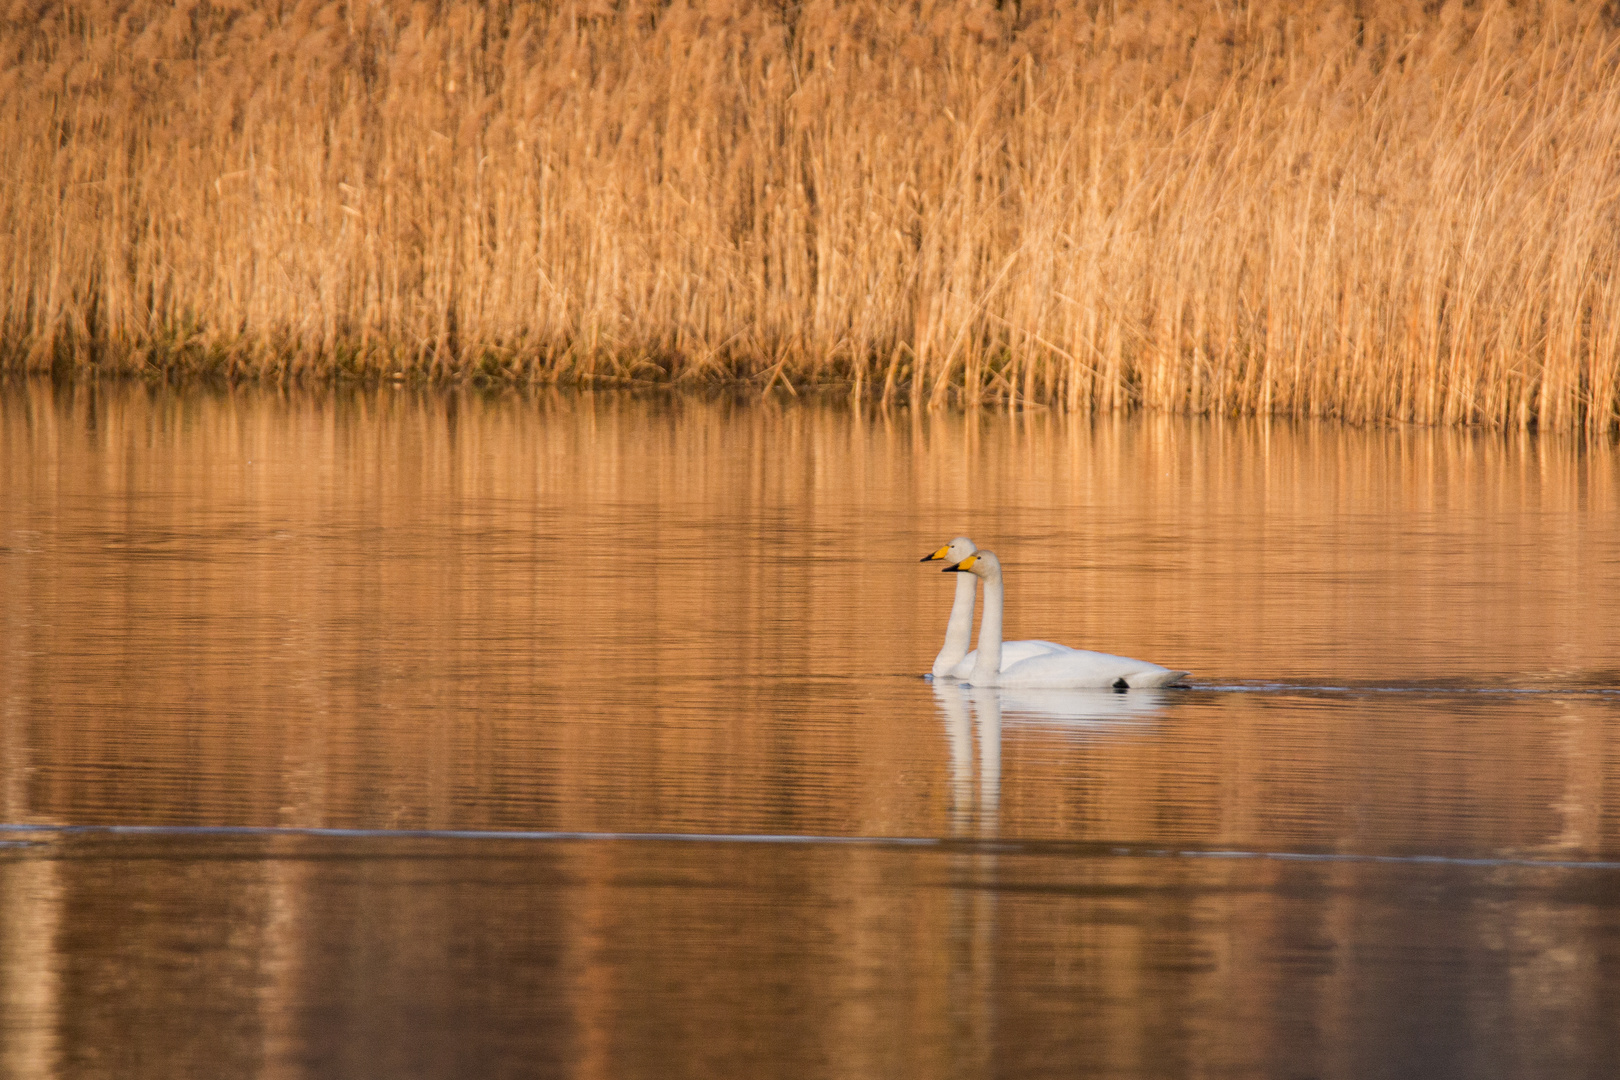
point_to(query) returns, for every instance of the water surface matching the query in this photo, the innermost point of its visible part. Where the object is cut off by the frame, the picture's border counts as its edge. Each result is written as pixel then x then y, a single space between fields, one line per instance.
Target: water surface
pixel 390 733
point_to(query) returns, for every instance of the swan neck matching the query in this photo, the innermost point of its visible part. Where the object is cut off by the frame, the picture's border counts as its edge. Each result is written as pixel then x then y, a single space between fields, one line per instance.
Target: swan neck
pixel 959 630
pixel 988 664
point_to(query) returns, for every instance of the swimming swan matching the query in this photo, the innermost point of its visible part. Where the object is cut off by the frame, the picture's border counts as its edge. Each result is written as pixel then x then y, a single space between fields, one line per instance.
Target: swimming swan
pixel 954 659
pixel 1064 667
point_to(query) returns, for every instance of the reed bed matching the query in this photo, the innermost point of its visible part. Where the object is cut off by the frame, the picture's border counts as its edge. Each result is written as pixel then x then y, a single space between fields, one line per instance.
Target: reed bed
pixel 1375 211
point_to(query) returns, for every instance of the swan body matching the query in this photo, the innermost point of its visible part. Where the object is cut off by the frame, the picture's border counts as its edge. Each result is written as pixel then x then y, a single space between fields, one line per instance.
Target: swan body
pixel 954 660
pixel 1057 667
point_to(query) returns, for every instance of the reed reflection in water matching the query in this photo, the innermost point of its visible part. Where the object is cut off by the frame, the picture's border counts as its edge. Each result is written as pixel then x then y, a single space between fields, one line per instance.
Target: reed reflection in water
pixel 1379 836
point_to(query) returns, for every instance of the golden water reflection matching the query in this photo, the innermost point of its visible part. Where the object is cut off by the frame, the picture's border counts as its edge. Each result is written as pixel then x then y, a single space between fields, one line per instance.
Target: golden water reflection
pixel 306 956
pixel 381 609
pixel 384 610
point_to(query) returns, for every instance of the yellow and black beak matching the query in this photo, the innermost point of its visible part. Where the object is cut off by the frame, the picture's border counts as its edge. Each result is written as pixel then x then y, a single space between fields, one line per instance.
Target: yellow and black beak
pixel 963 567
pixel 936 556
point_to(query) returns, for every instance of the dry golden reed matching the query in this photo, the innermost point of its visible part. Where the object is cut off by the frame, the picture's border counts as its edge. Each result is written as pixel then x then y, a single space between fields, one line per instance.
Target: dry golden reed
pixel 1373 211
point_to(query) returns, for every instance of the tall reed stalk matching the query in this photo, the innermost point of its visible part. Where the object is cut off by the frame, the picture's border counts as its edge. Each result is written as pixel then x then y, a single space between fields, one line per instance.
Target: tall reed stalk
pixel 1368 211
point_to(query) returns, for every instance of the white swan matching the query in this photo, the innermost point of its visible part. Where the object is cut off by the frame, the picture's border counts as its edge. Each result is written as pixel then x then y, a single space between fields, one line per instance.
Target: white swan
pixel 954 660
pixel 1064 667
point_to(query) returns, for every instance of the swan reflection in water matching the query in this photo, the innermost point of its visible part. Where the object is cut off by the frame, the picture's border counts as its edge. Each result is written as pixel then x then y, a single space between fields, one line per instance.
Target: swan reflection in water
pixel 977 993
pixel 1079 713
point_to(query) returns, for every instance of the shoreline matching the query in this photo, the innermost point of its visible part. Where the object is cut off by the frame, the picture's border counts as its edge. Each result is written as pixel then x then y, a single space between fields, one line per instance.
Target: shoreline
pixel 739 393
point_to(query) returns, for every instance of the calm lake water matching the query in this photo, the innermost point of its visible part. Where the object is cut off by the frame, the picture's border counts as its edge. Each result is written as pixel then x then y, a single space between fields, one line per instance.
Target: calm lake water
pixel 381 733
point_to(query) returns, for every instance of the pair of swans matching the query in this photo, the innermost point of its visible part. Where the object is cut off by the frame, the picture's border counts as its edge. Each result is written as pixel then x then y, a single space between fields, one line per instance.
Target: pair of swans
pixel 1021 663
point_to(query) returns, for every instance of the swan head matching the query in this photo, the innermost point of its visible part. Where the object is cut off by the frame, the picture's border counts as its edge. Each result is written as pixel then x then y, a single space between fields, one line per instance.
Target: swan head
pixel 982 564
pixel 955 551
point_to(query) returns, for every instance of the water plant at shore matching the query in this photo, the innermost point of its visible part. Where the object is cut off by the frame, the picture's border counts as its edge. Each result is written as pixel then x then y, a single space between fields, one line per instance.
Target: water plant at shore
pixel 1373 211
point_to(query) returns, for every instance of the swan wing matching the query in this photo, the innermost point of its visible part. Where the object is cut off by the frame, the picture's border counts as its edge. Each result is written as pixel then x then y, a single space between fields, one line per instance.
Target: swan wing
pixel 1012 652
pixel 1080 668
